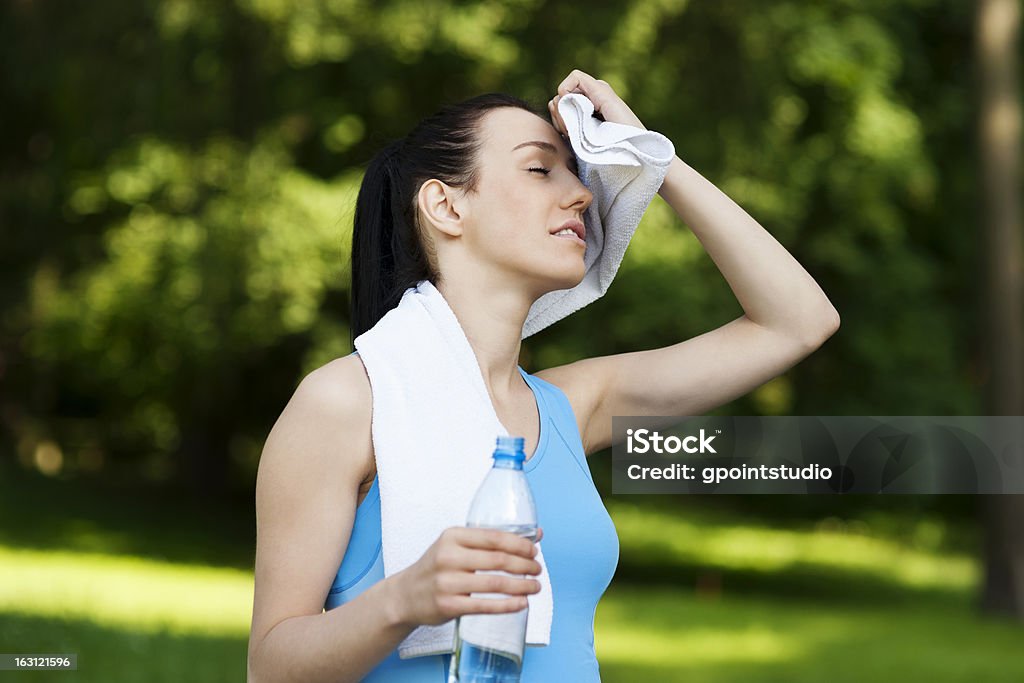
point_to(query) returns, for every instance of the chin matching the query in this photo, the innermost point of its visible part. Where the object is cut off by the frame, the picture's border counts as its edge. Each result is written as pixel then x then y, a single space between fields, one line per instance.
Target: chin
pixel 555 274
pixel 569 278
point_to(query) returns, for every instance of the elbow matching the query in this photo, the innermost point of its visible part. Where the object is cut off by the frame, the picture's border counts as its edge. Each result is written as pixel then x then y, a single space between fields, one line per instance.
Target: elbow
pixel 831 322
pixel 825 325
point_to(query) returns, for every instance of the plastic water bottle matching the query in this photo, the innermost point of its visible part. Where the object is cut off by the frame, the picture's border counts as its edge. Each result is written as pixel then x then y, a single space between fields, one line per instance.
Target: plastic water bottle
pixel 489 647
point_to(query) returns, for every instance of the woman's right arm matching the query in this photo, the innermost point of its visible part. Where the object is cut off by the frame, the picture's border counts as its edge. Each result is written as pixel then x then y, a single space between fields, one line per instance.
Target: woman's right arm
pixel 306 493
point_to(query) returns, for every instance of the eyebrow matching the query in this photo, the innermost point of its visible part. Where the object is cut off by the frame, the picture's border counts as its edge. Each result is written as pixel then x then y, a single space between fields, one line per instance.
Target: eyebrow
pixel 547 147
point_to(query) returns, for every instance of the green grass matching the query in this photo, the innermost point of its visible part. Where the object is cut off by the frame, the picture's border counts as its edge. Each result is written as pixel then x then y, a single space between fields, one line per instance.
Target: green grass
pixel 645 634
pixel 830 560
pixel 108 654
pixel 125 592
pixel 159 591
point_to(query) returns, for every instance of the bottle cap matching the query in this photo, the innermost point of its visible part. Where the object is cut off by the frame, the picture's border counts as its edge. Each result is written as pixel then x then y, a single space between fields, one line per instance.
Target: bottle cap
pixel 510 447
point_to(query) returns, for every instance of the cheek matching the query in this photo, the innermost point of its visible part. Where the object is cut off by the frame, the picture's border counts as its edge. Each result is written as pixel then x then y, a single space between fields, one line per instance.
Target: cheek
pixel 512 217
pixel 513 213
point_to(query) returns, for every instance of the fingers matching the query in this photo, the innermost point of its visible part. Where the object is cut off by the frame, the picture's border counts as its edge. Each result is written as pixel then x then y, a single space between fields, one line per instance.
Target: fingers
pixel 466 605
pixel 496 582
pixel 492 539
pixel 494 560
pixel 556 118
pixel 581 82
pixel 594 89
pixel 477 571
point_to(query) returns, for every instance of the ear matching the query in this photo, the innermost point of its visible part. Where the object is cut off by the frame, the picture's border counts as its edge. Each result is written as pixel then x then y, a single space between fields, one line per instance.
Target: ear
pixel 440 204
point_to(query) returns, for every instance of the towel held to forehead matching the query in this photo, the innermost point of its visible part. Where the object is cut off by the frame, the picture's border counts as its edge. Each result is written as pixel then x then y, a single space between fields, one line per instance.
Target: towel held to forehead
pixel 623 166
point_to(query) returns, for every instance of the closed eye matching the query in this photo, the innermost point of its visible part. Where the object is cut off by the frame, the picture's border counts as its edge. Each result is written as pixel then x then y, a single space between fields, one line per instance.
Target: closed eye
pixel 545 171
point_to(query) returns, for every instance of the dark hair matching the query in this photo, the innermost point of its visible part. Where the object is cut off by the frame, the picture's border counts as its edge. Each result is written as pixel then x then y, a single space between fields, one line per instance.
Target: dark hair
pixel 390 252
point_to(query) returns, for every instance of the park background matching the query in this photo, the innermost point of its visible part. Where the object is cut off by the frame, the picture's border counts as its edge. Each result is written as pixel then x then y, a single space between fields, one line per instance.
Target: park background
pixel 177 182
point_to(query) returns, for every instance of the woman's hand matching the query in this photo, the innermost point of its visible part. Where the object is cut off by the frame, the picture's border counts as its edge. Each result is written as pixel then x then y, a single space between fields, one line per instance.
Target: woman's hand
pixel 606 103
pixel 437 587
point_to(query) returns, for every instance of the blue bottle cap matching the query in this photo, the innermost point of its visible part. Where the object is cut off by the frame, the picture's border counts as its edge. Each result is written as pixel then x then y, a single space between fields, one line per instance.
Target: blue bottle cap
pixel 510 447
pixel 511 443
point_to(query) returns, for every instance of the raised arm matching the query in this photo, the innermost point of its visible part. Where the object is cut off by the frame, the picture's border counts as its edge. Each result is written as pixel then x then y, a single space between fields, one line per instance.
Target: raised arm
pixel 775 291
pixel 786 314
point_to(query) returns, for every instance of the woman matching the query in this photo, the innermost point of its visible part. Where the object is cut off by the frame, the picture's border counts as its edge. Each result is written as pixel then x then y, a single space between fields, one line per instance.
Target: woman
pixel 472 200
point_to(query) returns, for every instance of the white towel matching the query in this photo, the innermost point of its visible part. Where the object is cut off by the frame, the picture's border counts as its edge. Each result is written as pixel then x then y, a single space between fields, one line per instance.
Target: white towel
pixel 433 430
pixel 623 166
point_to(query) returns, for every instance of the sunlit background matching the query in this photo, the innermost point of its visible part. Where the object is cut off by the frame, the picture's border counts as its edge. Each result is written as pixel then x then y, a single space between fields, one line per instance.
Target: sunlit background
pixel 177 190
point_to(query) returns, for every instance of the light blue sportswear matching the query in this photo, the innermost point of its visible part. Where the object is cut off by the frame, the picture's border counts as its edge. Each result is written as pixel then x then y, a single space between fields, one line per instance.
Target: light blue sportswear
pixel 581 551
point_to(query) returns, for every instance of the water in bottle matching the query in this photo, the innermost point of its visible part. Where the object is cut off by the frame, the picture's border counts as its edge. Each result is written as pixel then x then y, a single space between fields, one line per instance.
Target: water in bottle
pixel 489 647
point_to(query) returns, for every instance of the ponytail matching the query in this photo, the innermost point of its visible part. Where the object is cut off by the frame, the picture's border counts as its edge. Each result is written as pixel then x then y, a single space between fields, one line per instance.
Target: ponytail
pixel 378 242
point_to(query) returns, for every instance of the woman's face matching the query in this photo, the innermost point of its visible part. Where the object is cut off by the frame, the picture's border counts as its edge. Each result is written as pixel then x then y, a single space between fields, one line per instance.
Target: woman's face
pixel 528 187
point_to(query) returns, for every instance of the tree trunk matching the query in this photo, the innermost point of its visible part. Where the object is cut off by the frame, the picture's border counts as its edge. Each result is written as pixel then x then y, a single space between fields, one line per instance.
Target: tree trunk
pixel 997 27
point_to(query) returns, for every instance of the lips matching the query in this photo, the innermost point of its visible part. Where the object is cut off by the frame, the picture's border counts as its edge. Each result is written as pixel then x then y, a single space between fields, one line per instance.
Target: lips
pixel 574 225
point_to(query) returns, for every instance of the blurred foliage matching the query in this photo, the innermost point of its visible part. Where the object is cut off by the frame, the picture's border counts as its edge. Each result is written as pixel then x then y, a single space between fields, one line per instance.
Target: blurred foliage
pixel 179 179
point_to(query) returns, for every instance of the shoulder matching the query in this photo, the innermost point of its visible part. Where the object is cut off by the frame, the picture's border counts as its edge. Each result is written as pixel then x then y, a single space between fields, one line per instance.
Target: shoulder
pixel 324 430
pixel 339 388
pixel 333 400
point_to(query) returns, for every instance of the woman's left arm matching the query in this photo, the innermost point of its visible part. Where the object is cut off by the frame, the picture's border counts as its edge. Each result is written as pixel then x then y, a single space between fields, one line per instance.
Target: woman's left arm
pixel 786 314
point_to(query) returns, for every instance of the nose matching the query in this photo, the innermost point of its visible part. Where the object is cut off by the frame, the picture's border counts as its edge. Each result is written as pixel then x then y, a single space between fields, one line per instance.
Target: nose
pixel 580 197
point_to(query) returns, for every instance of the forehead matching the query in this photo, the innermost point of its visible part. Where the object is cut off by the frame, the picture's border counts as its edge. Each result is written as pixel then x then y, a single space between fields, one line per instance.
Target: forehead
pixel 507 127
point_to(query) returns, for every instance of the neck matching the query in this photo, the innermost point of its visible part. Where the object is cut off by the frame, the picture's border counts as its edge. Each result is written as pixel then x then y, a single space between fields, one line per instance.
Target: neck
pixel 491 311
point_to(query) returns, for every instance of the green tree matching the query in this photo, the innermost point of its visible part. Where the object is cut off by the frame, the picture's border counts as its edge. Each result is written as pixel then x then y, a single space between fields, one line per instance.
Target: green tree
pixel 179 179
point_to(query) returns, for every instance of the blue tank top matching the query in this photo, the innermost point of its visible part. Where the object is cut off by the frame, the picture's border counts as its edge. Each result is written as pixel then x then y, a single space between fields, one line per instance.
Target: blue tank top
pixel 581 552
